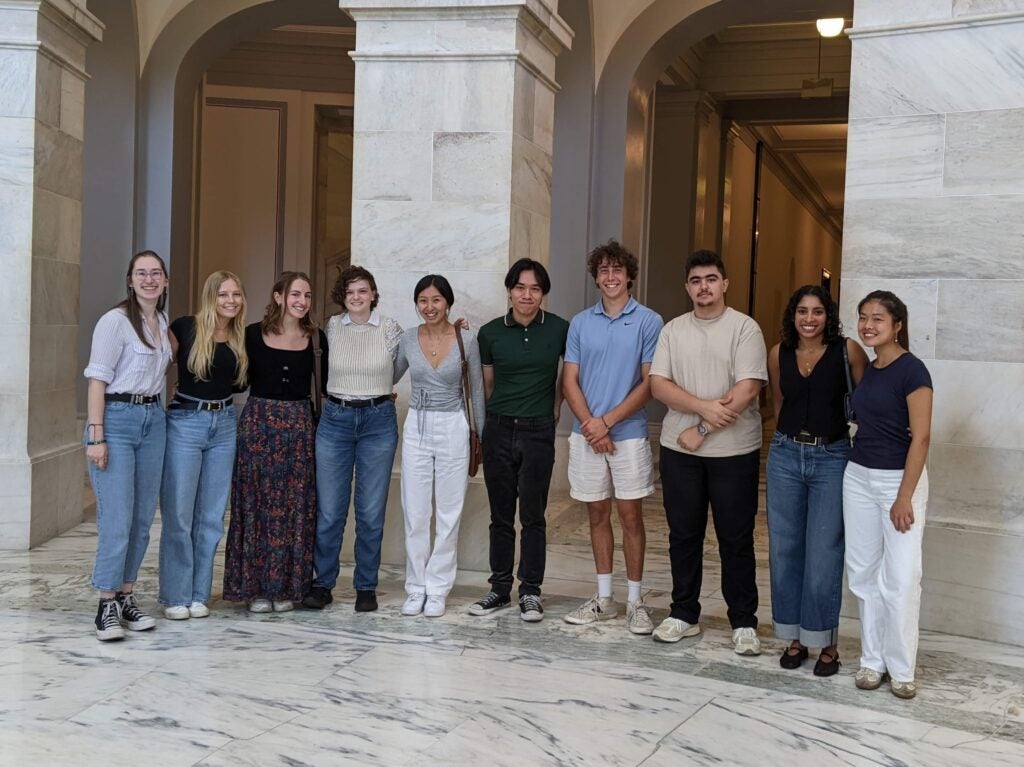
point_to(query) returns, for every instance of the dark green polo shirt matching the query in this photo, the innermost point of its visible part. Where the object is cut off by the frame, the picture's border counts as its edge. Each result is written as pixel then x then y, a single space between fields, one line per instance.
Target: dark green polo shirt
pixel 525 363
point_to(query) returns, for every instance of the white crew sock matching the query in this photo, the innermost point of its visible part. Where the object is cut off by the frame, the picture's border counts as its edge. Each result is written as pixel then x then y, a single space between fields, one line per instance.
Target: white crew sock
pixel 604 585
pixel 635 587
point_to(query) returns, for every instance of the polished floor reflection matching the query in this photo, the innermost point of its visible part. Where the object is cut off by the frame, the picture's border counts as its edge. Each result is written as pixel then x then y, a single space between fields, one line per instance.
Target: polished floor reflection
pixel 340 688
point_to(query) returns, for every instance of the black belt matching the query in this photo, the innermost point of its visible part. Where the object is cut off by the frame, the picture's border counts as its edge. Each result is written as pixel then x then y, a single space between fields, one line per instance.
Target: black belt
pixel 530 421
pixel 807 439
pixel 359 402
pixel 134 399
pixel 200 404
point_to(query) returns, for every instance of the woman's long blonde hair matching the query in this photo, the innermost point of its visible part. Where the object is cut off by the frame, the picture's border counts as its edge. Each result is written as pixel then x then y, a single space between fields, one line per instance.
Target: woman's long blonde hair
pixel 200 356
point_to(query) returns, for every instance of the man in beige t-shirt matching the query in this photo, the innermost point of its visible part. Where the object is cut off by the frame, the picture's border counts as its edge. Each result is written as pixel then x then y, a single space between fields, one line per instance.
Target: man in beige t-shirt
pixel 709 367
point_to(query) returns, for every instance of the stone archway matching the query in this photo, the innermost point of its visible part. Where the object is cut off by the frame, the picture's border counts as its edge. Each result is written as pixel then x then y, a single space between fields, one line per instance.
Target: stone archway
pixel 622 107
pixel 185 48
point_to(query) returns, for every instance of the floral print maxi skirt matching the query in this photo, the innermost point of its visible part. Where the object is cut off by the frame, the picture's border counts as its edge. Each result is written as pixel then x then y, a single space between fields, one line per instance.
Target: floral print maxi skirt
pixel 269 552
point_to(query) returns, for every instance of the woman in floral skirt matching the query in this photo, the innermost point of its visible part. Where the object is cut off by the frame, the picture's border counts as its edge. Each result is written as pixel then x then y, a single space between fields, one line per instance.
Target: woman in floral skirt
pixel 269 556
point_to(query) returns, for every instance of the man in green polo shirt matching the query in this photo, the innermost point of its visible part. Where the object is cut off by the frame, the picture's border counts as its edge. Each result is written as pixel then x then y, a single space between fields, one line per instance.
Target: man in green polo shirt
pixel 520 352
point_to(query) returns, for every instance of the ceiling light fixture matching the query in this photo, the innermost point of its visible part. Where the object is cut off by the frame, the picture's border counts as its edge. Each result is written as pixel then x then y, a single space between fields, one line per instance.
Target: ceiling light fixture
pixel 830 27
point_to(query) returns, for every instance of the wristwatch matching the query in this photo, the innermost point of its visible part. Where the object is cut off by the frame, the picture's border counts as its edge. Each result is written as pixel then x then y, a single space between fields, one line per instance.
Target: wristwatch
pixel 702 430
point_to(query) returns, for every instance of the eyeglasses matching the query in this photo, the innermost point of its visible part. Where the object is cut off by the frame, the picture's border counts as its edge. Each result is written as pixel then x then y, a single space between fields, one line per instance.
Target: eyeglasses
pixel 153 274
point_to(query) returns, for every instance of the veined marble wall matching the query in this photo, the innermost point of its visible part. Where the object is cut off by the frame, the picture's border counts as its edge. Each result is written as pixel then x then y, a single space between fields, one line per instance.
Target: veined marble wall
pixel 935 190
pixel 42 105
pixel 453 134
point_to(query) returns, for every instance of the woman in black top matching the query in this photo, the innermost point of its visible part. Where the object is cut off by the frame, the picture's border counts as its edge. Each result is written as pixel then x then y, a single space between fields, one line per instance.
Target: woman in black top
pixel 805 468
pixel 269 558
pixel 210 353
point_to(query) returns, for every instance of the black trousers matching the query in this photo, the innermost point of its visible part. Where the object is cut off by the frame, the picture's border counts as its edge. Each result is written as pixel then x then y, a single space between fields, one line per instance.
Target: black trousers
pixel 519 454
pixel 689 483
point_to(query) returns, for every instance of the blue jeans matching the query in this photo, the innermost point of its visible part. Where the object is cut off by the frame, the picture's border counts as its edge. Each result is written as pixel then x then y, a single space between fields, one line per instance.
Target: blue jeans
pixel 364 439
pixel 805 535
pixel 127 490
pixel 197 482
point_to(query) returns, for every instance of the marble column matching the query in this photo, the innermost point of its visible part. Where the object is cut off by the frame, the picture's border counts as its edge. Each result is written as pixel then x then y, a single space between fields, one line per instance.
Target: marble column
pixel 935 189
pixel 42 88
pixel 453 132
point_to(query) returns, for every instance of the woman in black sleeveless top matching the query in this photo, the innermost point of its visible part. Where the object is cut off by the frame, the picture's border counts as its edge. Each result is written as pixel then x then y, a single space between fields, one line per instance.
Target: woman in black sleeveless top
pixel 268 560
pixel 805 469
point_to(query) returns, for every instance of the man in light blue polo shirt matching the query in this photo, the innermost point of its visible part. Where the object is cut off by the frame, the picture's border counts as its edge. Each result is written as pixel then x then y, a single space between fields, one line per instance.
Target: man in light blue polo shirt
pixel 608 354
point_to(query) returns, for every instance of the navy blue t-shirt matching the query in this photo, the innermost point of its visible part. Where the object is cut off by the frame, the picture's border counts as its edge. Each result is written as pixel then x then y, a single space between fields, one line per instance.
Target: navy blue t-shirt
pixel 883 419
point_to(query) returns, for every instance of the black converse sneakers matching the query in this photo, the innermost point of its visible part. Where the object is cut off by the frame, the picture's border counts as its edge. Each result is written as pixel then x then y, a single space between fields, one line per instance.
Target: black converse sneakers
pixel 132 618
pixel 108 621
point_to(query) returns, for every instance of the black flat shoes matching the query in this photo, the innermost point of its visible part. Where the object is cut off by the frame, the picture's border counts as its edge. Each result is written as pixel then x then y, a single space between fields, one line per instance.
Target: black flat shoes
pixel 827 667
pixel 792 659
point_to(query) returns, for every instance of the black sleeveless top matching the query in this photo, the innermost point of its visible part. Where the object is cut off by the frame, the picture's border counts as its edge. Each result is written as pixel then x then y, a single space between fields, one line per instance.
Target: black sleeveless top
pixel 813 404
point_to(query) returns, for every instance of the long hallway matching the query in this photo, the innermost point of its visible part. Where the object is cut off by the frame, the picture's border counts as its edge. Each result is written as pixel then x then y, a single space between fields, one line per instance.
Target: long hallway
pixel 340 688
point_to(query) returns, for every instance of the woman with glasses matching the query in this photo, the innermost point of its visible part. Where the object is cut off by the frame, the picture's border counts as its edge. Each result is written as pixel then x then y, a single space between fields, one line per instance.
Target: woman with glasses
pixel 212 365
pixel 124 439
pixel 269 554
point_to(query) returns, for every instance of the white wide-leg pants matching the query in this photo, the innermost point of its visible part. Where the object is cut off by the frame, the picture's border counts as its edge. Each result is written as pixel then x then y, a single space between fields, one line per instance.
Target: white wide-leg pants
pixel 884 568
pixel 435 462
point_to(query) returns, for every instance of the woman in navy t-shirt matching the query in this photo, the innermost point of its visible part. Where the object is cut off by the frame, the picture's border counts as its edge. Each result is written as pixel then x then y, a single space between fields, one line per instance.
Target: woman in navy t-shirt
pixel 885 493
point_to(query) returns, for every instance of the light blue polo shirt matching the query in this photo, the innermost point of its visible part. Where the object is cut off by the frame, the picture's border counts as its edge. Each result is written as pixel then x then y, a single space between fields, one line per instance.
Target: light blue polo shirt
pixel 610 352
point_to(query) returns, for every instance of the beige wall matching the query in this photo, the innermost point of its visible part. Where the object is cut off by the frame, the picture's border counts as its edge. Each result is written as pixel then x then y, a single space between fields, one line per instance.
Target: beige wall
pixel 238 196
pixel 219 144
pixel 792 249
pixel 738 219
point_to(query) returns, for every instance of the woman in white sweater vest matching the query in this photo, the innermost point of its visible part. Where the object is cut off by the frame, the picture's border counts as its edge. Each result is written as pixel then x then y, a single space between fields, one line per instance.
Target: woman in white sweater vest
pixel 358 433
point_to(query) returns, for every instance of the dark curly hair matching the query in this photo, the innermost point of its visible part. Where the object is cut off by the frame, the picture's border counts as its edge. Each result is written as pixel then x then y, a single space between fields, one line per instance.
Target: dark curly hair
pixel 833 327
pixel 349 275
pixel 615 255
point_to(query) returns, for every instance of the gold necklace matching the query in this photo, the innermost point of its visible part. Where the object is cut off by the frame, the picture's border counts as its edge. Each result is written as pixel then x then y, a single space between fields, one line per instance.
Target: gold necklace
pixel 435 344
pixel 812 353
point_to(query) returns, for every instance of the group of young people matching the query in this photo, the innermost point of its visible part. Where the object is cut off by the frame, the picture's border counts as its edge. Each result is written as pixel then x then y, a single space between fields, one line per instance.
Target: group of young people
pixel 293 468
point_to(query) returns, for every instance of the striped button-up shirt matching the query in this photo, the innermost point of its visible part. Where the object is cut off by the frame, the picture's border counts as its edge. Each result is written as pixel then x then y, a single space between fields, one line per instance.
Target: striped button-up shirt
pixel 122 361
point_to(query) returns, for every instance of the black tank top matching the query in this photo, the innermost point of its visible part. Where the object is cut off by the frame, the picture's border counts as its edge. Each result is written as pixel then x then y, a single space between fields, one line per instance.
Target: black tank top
pixel 813 404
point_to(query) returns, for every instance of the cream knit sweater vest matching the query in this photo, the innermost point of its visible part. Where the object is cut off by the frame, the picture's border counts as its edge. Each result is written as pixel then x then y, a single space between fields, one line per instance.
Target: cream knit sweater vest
pixel 361 358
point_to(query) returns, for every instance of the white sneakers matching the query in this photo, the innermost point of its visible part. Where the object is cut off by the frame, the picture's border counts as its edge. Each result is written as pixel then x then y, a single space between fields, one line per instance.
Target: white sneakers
pixel 594 609
pixel 260 606
pixel 745 641
pixel 638 618
pixel 413 604
pixel 184 612
pixel 431 606
pixel 434 607
pixel 597 608
pixel 673 629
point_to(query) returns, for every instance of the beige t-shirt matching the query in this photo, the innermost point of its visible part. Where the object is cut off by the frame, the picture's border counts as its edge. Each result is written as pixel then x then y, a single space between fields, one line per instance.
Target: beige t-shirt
pixel 707 358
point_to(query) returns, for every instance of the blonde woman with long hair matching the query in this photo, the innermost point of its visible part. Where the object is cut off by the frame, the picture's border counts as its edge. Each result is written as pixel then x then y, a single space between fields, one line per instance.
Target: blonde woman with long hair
pixel 209 348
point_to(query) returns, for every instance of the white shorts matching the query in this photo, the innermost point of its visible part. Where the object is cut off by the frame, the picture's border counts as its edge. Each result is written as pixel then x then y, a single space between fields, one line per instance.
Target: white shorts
pixel 628 473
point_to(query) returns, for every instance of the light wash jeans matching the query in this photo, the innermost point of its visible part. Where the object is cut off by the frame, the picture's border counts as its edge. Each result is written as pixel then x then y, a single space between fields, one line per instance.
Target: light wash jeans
pixel 805 534
pixel 883 567
pixel 127 490
pixel 197 483
pixel 435 466
pixel 363 439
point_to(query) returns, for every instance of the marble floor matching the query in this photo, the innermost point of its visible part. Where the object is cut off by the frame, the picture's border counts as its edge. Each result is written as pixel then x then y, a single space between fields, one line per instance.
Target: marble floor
pixel 340 688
